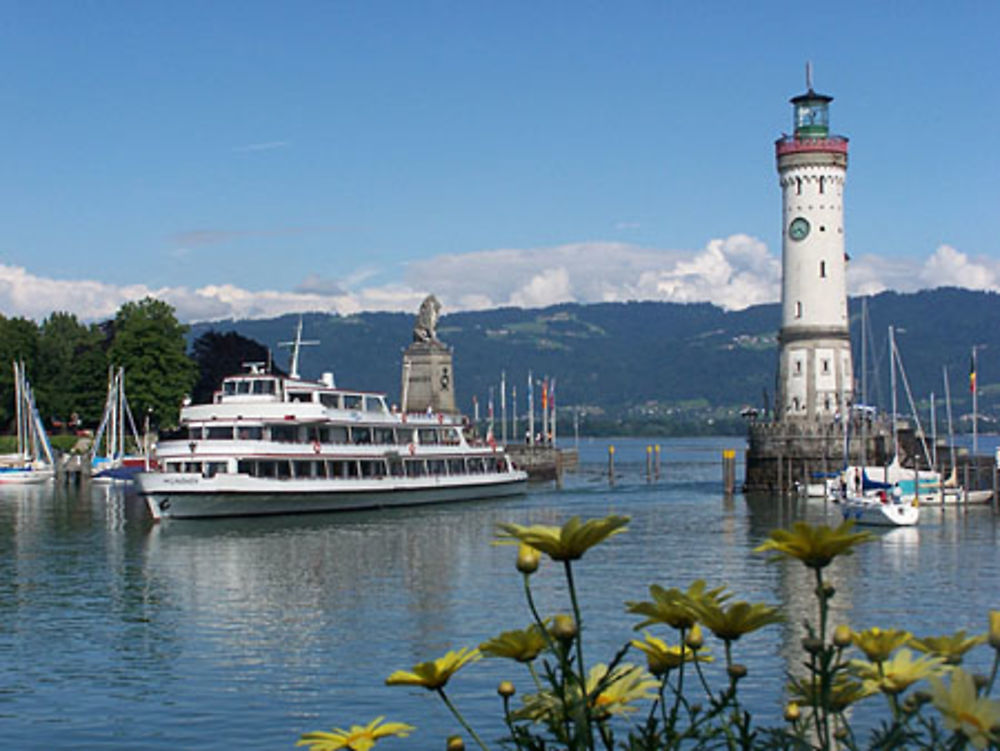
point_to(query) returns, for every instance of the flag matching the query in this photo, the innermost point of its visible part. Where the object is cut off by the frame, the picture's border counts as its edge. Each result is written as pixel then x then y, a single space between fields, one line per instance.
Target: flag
pixel 545 393
pixel 972 374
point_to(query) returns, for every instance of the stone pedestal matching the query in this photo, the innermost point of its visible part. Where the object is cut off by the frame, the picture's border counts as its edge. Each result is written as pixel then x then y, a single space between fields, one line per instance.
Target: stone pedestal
pixel 428 378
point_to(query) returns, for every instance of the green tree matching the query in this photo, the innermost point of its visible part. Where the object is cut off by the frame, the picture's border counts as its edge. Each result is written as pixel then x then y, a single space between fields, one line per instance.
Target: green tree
pixel 149 343
pixel 18 341
pixel 71 370
pixel 220 355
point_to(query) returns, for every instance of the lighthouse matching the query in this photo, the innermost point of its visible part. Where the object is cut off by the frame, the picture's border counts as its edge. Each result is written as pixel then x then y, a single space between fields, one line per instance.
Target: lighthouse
pixel 815 381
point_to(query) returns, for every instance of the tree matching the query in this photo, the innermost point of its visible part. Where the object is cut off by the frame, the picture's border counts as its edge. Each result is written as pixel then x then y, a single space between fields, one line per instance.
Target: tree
pixel 220 355
pixel 149 343
pixel 72 369
pixel 18 341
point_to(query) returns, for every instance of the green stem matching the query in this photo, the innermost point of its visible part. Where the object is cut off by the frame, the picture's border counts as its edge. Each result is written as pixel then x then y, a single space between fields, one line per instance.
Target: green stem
pixel 993 673
pixel 534 676
pixel 461 720
pixel 509 721
pixel 534 613
pixel 568 567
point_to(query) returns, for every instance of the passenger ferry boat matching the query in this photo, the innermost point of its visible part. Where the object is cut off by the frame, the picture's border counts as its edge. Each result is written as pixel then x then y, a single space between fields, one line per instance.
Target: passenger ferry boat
pixel 272 444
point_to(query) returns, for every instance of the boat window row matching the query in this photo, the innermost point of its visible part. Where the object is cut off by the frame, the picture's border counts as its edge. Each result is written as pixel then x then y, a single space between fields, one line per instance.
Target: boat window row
pixel 332 434
pixel 258 386
pixel 342 469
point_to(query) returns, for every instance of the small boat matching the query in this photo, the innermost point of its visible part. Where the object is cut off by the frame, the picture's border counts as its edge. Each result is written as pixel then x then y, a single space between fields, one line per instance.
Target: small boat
pixel 33 462
pixel 110 460
pixel 276 444
pixel 880 509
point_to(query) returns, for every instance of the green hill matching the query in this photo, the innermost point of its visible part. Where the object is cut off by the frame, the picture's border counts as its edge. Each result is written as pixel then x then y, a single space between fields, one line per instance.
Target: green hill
pixel 650 365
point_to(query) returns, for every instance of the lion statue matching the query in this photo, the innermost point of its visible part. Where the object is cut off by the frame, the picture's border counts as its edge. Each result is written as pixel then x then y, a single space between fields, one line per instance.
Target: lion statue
pixel 425 329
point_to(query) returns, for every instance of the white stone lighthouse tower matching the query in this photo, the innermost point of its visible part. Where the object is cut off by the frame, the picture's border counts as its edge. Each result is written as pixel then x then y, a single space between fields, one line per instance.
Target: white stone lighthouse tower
pixel 814 369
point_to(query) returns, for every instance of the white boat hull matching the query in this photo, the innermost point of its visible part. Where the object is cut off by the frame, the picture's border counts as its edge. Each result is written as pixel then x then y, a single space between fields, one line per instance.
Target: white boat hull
pixel 874 512
pixel 191 496
pixel 25 476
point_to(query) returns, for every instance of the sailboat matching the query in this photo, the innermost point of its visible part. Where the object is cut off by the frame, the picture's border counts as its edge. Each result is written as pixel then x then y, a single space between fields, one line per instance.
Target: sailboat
pixel 110 460
pixel 33 462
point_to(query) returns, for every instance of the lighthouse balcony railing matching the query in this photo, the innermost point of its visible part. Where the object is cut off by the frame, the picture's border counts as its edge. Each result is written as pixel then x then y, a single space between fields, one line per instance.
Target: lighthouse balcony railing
pixel 797 145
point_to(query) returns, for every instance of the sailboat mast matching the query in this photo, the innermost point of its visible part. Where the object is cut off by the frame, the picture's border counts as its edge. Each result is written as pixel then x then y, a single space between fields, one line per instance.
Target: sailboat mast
pixel 892 386
pixel 951 431
pixel 975 405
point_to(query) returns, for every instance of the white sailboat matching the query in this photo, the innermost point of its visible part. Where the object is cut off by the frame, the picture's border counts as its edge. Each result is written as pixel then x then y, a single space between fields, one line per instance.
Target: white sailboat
pixel 110 459
pixel 33 461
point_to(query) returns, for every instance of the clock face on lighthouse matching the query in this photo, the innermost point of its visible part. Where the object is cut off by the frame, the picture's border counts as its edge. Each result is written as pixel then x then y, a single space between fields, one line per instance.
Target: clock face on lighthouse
pixel 799 228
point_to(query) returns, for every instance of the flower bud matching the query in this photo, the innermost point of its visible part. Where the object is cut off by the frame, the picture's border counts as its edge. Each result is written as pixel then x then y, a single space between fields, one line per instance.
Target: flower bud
pixel 812 645
pixel 842 636
pixel 980 681
pixel 792 712
pixel 527 559
pixel 994 636
pixel 505 689
pixel 695 639
pixel 455 743
pixel 564 627
pixel 737 671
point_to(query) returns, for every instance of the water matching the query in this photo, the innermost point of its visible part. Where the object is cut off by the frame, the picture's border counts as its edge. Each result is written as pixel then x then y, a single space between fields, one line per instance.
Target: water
pixel 119 634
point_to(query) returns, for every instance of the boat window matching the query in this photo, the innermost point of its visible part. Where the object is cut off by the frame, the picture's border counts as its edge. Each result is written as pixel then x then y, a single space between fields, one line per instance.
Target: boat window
pixel 300 396
pixel 321 434
pixel 215 468
pixel 267 468
pixel 194 433
pixel 304 469
pixel 284 433
pixel 228 388
pixel 415 468
pixel 338 434
pixel 374 404
pixel 220 433
pixel 265 386
pixel 284 469
pixel 250 432
pixel 435 467
pixel 404 435
pixel 246 467
pixel 361 435
pixel 428 436
pixel 352 401
pixel 373 468
pixel 456 467
pixel 243 387
pixel 396 467
pixel 383 436
pixel 450 437
pixel 330 400
pixel 192 467
pixel 476 466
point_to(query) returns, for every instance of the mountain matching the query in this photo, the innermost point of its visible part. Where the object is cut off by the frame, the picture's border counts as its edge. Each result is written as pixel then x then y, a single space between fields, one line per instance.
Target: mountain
pixel 643 362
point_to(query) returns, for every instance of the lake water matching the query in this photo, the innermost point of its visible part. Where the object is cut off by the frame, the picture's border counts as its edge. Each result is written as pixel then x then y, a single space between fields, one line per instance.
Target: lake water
pixel 116 633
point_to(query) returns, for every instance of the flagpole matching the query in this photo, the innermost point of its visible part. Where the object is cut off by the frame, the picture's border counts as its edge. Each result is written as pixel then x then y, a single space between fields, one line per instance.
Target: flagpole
pixel 531 412
pixel 503 407
pixel 975 404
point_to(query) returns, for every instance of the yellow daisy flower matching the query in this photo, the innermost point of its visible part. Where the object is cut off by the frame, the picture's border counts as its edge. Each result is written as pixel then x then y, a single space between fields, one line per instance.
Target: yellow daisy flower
pixel 878 644
pixel 568 542
pixel 899 673
pixel 523 645
pixel 815 545
pixel 994 637
pixel 358 738
pixel 674 607
pixel 730 622
pixel 843 692
pixel 965 712
pixel 662 657
pixel 611 694
pixel 950 648
pixel 434 674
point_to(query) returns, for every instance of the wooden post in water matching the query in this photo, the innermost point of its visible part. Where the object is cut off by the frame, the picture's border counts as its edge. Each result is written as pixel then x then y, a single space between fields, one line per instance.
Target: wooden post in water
pixel 611 465
pixel 649 463
pixel 657 449
pixel 729 471
pixel 995 489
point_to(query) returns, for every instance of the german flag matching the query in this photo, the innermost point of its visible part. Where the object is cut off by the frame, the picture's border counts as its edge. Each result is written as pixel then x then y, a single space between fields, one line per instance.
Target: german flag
pixel 972 375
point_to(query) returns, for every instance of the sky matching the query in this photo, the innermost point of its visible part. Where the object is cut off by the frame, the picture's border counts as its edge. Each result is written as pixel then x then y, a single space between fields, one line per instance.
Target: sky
pixel 249 159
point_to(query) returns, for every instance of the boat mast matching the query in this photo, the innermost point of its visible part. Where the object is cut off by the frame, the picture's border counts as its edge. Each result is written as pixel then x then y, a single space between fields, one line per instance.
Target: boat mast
pixel 975 405
pixel 951 432
pixel 892 386
pixel 296 346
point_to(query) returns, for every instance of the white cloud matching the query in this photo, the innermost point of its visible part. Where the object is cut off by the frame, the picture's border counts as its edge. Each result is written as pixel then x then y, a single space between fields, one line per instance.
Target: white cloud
pixel 733 272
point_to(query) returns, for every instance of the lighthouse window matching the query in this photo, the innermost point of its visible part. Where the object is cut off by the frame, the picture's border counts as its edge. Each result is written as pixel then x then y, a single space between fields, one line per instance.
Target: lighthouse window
pixel 822 269
pixel 821 181
pixel 798 186
pixel 798 309
pixel 826 366
pixel 798 367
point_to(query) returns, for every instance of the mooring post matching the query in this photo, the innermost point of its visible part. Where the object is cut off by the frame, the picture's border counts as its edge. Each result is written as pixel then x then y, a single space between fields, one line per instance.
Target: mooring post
pixel 657 449
pixel 611 465
pixel 649 463
pixel 729 470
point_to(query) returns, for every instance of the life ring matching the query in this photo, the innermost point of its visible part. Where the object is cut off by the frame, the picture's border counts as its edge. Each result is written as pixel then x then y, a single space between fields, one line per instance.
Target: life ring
pixel 412 448
pixel 317 447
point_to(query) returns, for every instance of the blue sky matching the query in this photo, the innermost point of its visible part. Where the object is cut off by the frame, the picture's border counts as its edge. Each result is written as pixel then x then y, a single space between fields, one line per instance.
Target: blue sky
pixel 254 158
